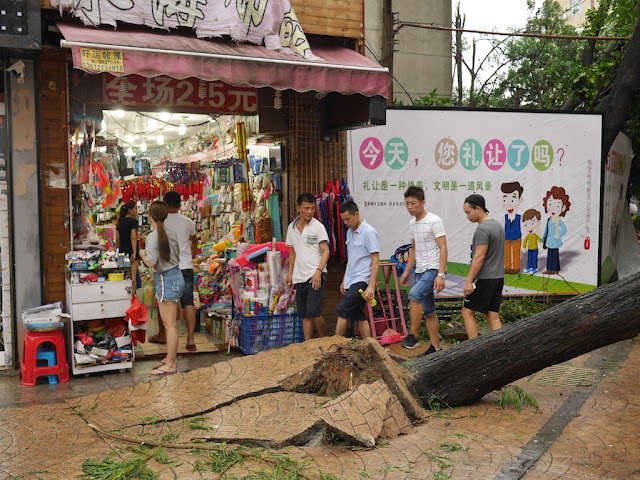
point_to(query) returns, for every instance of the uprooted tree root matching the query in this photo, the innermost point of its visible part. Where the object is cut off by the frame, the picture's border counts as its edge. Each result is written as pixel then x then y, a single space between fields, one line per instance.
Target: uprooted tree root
pixel 342 368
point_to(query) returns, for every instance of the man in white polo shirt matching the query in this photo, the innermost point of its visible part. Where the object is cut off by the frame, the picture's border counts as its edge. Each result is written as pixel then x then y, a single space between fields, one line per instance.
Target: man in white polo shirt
pixel 308 260
pixel 188 241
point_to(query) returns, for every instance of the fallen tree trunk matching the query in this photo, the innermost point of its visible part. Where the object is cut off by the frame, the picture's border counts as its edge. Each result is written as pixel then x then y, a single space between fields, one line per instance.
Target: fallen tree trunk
pixel 470 370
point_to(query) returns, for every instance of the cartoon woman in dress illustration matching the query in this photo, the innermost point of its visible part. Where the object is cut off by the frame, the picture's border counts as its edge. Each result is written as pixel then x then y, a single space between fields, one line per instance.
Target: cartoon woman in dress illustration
pixel 556 204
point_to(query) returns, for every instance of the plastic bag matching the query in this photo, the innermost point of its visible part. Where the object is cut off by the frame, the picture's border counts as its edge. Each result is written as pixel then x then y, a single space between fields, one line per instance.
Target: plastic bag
pixel 390 336
pixel 137 313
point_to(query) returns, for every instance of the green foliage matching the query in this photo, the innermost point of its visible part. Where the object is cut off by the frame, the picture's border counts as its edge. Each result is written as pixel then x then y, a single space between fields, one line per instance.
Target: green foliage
pixel 218 461
pixel 432 99
pixel 453 447
pixel 150 419
pixel 112 469
pixel 517 397
pixel 197 424
pixel 514 309
pixel 540 70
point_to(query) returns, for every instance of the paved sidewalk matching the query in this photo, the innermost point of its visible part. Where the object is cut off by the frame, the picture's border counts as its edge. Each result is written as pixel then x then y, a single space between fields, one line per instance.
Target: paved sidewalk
pixel 579 432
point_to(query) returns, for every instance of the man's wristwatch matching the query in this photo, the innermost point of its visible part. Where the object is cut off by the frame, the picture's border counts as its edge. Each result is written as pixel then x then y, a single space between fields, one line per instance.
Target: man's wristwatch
pixel 442 275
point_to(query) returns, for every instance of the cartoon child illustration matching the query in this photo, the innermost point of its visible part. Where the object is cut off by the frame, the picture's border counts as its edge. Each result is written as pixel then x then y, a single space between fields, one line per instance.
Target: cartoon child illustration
pixel 531 222
pixel 511 199
pixel 556 204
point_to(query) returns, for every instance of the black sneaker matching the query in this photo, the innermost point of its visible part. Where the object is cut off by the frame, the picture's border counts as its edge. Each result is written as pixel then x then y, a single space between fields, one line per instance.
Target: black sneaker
pixel 410 341
pixel 429 351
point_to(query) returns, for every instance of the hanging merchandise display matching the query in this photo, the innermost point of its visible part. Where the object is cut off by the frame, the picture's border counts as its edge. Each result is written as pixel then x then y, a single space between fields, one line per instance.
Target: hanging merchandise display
pixel 229 193
pixel 328 213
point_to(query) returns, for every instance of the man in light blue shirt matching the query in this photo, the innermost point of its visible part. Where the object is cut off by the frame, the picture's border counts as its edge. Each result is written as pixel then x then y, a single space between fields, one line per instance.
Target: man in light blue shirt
pixel 363 252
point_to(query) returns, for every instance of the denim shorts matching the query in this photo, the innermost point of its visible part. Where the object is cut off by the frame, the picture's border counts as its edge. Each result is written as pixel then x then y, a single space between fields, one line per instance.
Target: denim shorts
pixel 187 292
pixel 422 291
pixel 169 285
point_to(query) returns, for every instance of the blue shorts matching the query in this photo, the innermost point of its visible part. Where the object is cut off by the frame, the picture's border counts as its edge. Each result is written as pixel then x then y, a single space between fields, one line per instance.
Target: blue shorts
pixel 169 285
pixel 422 291
pixel 187 293
pixel 352 306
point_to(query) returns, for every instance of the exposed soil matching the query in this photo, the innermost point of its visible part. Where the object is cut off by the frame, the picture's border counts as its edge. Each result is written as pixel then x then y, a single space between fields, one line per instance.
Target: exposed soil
pixel 342 368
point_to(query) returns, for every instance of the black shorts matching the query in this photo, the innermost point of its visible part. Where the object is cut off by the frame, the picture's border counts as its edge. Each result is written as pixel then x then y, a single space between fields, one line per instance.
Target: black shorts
pixel 487 296
pixel 352 306
pixel 308 300
pixel 187 292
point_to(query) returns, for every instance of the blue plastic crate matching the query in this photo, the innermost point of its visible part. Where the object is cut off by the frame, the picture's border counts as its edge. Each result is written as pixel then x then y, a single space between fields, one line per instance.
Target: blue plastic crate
pixel 264 332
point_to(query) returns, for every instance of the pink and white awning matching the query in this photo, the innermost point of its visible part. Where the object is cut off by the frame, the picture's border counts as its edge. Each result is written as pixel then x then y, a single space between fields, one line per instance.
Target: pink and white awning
pixel 152 53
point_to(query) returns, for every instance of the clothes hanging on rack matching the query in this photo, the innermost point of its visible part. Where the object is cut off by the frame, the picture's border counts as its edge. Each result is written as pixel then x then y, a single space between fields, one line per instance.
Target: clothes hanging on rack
pixel 328 204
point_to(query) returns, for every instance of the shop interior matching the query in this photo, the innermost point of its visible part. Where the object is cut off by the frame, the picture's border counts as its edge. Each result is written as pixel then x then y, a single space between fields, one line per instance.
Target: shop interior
pixel 230 180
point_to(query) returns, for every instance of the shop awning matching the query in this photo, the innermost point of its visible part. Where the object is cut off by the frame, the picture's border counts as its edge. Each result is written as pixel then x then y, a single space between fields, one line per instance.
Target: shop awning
pixel 151 53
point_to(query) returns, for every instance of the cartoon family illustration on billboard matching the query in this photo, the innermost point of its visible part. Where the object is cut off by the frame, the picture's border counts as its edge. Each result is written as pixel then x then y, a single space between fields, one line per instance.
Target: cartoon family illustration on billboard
pixel 556 205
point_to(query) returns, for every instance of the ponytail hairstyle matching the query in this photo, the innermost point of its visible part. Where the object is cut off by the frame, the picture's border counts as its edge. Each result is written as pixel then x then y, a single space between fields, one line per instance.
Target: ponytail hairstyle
pixel 159 210
pixel 124 210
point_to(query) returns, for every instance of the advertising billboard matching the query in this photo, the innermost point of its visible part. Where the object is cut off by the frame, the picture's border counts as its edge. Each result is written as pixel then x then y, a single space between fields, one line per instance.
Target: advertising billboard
pixel 537 172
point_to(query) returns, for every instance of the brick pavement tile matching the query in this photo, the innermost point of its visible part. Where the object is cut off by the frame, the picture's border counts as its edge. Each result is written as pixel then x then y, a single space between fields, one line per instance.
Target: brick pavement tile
pixel 46 438
pixel 366 416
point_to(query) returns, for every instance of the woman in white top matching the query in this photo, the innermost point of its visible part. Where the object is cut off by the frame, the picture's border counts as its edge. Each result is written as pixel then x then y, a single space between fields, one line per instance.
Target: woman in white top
pixel 162 254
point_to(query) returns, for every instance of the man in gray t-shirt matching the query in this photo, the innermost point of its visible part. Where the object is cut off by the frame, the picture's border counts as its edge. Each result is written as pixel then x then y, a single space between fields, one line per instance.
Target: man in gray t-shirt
pixel 487 267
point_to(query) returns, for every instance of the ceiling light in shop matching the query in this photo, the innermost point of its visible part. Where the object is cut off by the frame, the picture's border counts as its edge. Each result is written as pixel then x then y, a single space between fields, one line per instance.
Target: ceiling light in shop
pixel 143 146
pixel 152 123
pixel 129 138
pixel 120 113
pixel 164 116
pixel 182 129
pixel 140 124
pixel 160 139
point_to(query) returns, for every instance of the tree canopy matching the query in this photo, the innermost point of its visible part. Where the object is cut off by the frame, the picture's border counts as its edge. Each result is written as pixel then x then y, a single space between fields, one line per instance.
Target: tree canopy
pixel 572 75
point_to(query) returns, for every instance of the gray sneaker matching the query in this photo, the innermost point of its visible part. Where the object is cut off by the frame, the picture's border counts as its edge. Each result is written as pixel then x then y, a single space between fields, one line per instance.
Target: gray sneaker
pixel 410 341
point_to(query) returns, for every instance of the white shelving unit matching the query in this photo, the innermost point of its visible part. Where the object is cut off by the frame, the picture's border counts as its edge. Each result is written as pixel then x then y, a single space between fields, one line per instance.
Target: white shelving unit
pixel 95 301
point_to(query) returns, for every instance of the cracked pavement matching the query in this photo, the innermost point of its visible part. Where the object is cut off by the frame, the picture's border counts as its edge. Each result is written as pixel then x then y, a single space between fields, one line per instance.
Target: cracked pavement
pixel 588 432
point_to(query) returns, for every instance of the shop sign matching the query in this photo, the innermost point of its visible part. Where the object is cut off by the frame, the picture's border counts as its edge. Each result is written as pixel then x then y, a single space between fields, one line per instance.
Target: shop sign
pixel 269 22
pixel 185 95
pixel 102 60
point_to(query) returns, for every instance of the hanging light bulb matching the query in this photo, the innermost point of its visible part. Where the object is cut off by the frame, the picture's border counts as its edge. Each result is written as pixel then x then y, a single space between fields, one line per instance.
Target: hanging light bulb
pixel 152 123
pixel 160 139
pixel 164 116
pixel 129 138
pixel 119 113
pixel 182 129
pixel 143 146
pixel 277 100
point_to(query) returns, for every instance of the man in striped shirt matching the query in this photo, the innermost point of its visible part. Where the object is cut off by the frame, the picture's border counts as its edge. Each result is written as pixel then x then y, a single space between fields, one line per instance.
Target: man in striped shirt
pixel 429 255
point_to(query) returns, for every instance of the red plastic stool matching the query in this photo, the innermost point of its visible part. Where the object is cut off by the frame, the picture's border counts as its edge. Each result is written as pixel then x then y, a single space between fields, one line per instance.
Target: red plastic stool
pixel 29 369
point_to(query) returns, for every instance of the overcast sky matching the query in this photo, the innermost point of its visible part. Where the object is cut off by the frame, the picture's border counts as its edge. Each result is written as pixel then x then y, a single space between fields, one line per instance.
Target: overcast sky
pixel 487 14
pixel 497 15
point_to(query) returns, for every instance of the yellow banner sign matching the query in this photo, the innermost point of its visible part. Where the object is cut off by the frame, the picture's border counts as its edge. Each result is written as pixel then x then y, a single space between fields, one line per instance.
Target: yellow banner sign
pixel 102 60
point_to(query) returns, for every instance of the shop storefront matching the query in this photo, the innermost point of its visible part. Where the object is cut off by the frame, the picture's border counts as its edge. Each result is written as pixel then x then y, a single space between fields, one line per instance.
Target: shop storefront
pixel 145 112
